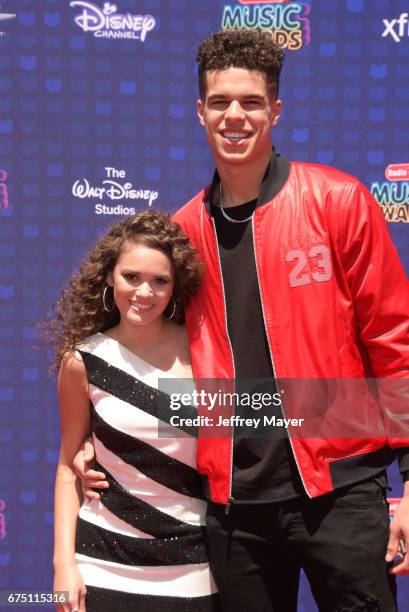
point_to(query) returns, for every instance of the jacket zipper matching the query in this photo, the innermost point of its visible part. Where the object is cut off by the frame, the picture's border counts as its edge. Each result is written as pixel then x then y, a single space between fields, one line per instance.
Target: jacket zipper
pixel 230 499
pixel 271 356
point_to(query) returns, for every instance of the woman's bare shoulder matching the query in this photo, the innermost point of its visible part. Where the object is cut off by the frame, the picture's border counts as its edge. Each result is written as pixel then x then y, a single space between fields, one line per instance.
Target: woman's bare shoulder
pixel 72 371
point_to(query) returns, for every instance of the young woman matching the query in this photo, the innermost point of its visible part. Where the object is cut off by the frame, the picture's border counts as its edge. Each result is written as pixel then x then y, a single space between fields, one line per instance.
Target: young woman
pixel 119 330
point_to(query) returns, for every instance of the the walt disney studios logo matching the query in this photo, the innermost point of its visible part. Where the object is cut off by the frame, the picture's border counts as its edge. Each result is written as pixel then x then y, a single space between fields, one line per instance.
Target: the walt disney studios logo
pixel 5 17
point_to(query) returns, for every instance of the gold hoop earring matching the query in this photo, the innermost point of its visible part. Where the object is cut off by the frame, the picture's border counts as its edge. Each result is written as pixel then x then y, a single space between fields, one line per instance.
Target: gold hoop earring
pixel 104 300
pixel 173 310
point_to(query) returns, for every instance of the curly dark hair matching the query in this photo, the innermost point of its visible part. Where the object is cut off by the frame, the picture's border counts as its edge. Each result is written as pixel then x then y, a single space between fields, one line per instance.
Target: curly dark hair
pixel 80 312
pixel 240 48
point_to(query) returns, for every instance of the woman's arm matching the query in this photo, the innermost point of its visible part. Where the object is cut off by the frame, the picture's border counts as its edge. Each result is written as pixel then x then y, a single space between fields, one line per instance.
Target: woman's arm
pixel 75 427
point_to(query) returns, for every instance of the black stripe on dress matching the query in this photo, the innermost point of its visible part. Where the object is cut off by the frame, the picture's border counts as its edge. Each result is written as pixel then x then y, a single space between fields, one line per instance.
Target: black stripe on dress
pixel 99 543
pixel 140 514
pixel 169 472
pixel 99 600
pixel 130 389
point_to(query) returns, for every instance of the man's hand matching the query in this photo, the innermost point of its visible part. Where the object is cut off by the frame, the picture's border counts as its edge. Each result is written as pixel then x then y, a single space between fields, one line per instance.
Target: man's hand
pixel 399 533
pixel 90 479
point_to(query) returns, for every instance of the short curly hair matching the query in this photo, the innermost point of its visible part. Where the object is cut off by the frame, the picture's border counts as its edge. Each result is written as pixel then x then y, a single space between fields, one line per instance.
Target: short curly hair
pixel 80 313
pixel 240 48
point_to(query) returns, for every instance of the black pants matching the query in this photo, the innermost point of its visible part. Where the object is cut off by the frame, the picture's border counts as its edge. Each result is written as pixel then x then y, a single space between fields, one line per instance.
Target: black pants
pixel 339 540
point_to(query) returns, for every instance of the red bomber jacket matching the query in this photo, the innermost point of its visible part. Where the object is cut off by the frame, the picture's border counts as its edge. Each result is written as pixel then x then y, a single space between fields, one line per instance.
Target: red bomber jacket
pixel 335 301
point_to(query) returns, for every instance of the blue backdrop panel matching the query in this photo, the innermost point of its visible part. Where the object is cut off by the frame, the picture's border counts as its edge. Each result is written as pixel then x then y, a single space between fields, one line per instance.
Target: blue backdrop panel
pixel 98 120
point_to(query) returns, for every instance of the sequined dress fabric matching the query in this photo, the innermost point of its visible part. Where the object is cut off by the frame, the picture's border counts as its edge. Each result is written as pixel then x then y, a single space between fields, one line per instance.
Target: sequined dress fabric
pixel 142 546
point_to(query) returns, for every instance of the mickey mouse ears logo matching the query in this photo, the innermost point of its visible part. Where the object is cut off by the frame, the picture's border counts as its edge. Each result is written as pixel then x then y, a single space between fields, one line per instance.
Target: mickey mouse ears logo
pixel 109 8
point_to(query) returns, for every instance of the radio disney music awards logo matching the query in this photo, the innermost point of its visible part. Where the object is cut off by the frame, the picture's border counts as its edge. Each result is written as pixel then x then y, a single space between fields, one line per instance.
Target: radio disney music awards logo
pixel 4 17
pixel 112 190
pixel 4 198
pixel 393 194
pixel 396 28
pixel 288 21
pixel 106 22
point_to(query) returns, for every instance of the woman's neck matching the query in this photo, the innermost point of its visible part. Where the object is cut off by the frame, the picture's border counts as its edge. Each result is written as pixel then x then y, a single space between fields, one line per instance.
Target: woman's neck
pixel 143 336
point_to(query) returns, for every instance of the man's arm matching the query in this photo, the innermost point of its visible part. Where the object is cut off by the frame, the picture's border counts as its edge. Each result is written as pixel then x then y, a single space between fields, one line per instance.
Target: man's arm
pixel 377 282
pixel 90 478
pixel 380 293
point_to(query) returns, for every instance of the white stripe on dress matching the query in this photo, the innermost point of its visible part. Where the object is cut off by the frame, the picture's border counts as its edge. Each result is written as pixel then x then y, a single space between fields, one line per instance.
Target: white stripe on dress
pixel 119 356
pixel 165 580
pixel 95 512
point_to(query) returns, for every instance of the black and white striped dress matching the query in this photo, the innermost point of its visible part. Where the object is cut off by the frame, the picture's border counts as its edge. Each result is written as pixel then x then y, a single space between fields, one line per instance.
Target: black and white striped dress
pixel 142 546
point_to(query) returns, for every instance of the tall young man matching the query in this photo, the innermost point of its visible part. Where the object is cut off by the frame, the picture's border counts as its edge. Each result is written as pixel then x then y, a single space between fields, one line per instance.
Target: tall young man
pixel 301 281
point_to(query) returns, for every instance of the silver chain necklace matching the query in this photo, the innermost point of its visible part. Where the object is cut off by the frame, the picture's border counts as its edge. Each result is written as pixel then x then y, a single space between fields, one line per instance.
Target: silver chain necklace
pixel 224 213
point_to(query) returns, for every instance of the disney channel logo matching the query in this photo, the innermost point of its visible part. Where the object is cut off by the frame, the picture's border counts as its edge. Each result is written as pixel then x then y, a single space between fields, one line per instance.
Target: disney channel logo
pixel 287 20
pixel 108 23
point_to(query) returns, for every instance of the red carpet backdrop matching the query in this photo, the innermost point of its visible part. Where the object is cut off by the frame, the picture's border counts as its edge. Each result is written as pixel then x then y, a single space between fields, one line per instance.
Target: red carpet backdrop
pixel 98 121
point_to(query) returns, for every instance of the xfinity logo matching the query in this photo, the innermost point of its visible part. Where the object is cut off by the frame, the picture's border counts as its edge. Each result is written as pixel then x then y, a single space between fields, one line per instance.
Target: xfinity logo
pixel 397 28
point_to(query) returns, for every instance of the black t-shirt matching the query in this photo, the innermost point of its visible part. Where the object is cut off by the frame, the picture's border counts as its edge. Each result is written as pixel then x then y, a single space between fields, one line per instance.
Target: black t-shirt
pixel 264 469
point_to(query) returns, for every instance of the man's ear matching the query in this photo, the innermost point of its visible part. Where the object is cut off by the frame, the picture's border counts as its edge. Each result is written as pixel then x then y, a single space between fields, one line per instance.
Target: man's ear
pixel 277 107
pixel 200 111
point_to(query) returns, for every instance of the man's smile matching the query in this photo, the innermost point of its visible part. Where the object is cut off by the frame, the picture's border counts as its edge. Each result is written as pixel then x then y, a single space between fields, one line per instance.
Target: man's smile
pixel 235 136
